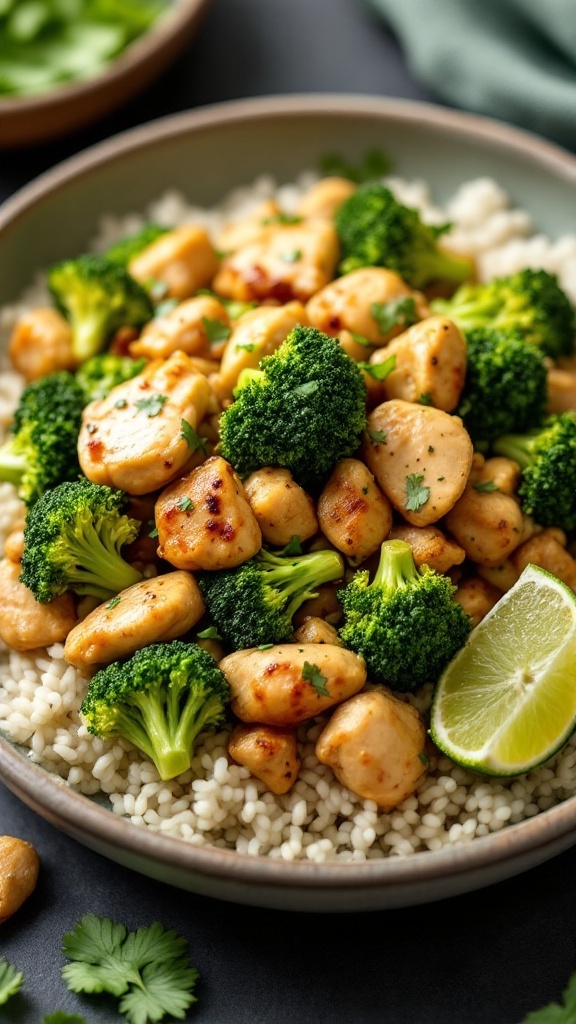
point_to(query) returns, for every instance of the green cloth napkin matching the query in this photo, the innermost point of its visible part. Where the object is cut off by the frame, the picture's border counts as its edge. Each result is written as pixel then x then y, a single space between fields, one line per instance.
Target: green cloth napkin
pixel 514 60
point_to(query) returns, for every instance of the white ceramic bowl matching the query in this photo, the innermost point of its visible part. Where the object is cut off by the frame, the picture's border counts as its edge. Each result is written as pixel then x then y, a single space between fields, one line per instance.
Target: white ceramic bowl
pixel 67 108
pixel 204 154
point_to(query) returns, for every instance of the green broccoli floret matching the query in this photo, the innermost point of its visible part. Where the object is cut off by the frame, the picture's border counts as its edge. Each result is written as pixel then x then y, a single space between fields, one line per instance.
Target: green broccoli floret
pixel 98 296
pixel 303 410
pixel 41 450
pixel 405 624
pixel 126 248
pixel 254 603
pixel 530 301
pixel 547 457
pixel 98 375
pixel 505 389
pixel 72 540
pixel 375 230
pixel 160 699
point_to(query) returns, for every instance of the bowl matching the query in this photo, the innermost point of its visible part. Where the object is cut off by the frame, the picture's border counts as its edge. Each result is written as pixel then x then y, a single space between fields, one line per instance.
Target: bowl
pixel 33 119
pixel 204 154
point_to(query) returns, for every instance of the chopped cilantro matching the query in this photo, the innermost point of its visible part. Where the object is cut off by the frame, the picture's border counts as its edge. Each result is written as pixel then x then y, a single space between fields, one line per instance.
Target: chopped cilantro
pixel 152 405
pixel 313 675
pixel 425 398
pixel 377 436
pixel 292 257
pixel 10 981
pixel 61 1017
pixel 265 647
pixel 216 330
pixel 193 440
pixel 555 1013
pixel 186 504
pixel 379 371
pixel 486 486
pixel 282 218
pixel 361 340
pixel 417 494
pixel 397 313
pixel 114 601
pixel 365 489
pixel 247 346
pixel 154 531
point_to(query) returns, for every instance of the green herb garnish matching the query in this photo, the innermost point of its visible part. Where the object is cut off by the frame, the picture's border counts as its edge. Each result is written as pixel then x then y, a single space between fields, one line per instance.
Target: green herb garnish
pixel 312 674
pixel 416 493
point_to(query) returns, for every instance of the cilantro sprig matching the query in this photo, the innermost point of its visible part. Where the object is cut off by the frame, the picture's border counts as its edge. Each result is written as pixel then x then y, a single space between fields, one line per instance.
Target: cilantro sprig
pixel 396 313
pixel 312 674
pixel 417 493
pixel 193 440
pixel 556 1013
pixel 10 981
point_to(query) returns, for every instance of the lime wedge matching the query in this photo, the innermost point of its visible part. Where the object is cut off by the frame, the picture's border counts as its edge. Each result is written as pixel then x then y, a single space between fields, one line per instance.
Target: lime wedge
pixel 507 701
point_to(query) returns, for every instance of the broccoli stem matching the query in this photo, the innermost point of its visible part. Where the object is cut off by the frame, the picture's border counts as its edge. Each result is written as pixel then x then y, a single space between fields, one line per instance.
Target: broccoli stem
pixel 518 447
pixel 87 337
pixel 396 567
pixel 300 578
pixel 12 466
pixel 438 265
pixel 167 731
pixel 93 561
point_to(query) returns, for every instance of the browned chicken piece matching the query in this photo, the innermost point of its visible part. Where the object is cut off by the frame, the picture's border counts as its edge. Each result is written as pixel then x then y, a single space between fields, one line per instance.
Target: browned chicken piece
pixel 324 606
pixel 503 473
pixel 324 197
pixel 293 262
pixel 184 260
pixel 289 683
pixel 204 520
pixel 153 611
pixel 477 597
pixel 186 328
pixel 561 390
pixel 429 546
pixel 420 456
pixel 269 752
pixel 352 511
pixel 134 438
pixel 350 303
pixel 375 745
pixel 431 359
pixel 41 343
pixel 14 545
pixel 488 524
pixel 19 869
pixel 258 333
pixel 25 623
pixel 548 550
pixel 245 230
pixel 500 576
pixel 282 508
pixel 317 631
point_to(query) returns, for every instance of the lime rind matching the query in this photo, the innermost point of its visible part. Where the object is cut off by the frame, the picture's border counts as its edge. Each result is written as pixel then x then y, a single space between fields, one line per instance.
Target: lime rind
pixel 507 702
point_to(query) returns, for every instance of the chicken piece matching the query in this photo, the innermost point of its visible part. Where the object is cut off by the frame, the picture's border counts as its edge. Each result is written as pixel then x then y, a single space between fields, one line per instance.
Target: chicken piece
pixel 352 511
pixel 255 227
pixel 317 631
pixel 186 328
pixel 431 359
pixel 324 197
pixel 547 550
pixel 282 508
pixel 184 260
pixel 293 262
pixel 561 390
pixel 421 458
pixel 25 623
pixel 324 606
pixel 256 334
pixel 269 752
pixel 477 597
pixel 488 524
pixel 14 545
pixel 41 343
pixel 503 473
pixel 289 683
pixel 430 546
pixel 19 869
pixel 153 611
pixel 134 438
pixel 351 302
pixel 500 576
pixel 375 745
pixel 204 520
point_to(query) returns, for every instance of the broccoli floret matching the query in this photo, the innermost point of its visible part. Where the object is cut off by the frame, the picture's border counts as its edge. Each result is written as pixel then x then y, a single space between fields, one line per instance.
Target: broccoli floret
pixel 126 248
pixel 98 296
pixel 160 699
pixel 41 450
pixel 375 230
pixel 505 389
pixel 547 457
pixel 405 624
pixel 72 540
pixel 530 301
pixel 98 375
pixel 303 410
pixel 254 603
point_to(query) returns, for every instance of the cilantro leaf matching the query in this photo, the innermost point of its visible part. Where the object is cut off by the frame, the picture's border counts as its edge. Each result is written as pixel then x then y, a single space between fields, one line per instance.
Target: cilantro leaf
pixel 10 981
pixel 425 398
pixel 486 486
pixel 282 218
pixel 293 256
pixel 313 675
pixel 377 436
pixel 152 406
pixel 148 968
pixel 186 504
pixel 399 312
pixel 193 440
pixel 114 601
pixel 61 1017
pixel 361 340
pixel 554 1013
pixel 417 494
pixel 216 330
pixel 379 371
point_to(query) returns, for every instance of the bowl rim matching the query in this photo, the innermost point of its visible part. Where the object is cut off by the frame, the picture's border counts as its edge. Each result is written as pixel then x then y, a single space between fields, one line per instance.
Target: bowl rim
pixel 74 812
pixel 170 22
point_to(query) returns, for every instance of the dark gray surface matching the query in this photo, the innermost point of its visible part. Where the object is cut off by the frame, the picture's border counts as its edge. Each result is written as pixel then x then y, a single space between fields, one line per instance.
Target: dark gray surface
pixel 486 958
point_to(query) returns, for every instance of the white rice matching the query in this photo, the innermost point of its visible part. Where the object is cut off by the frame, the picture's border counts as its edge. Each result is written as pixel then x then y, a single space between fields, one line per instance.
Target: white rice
pixel 217 802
